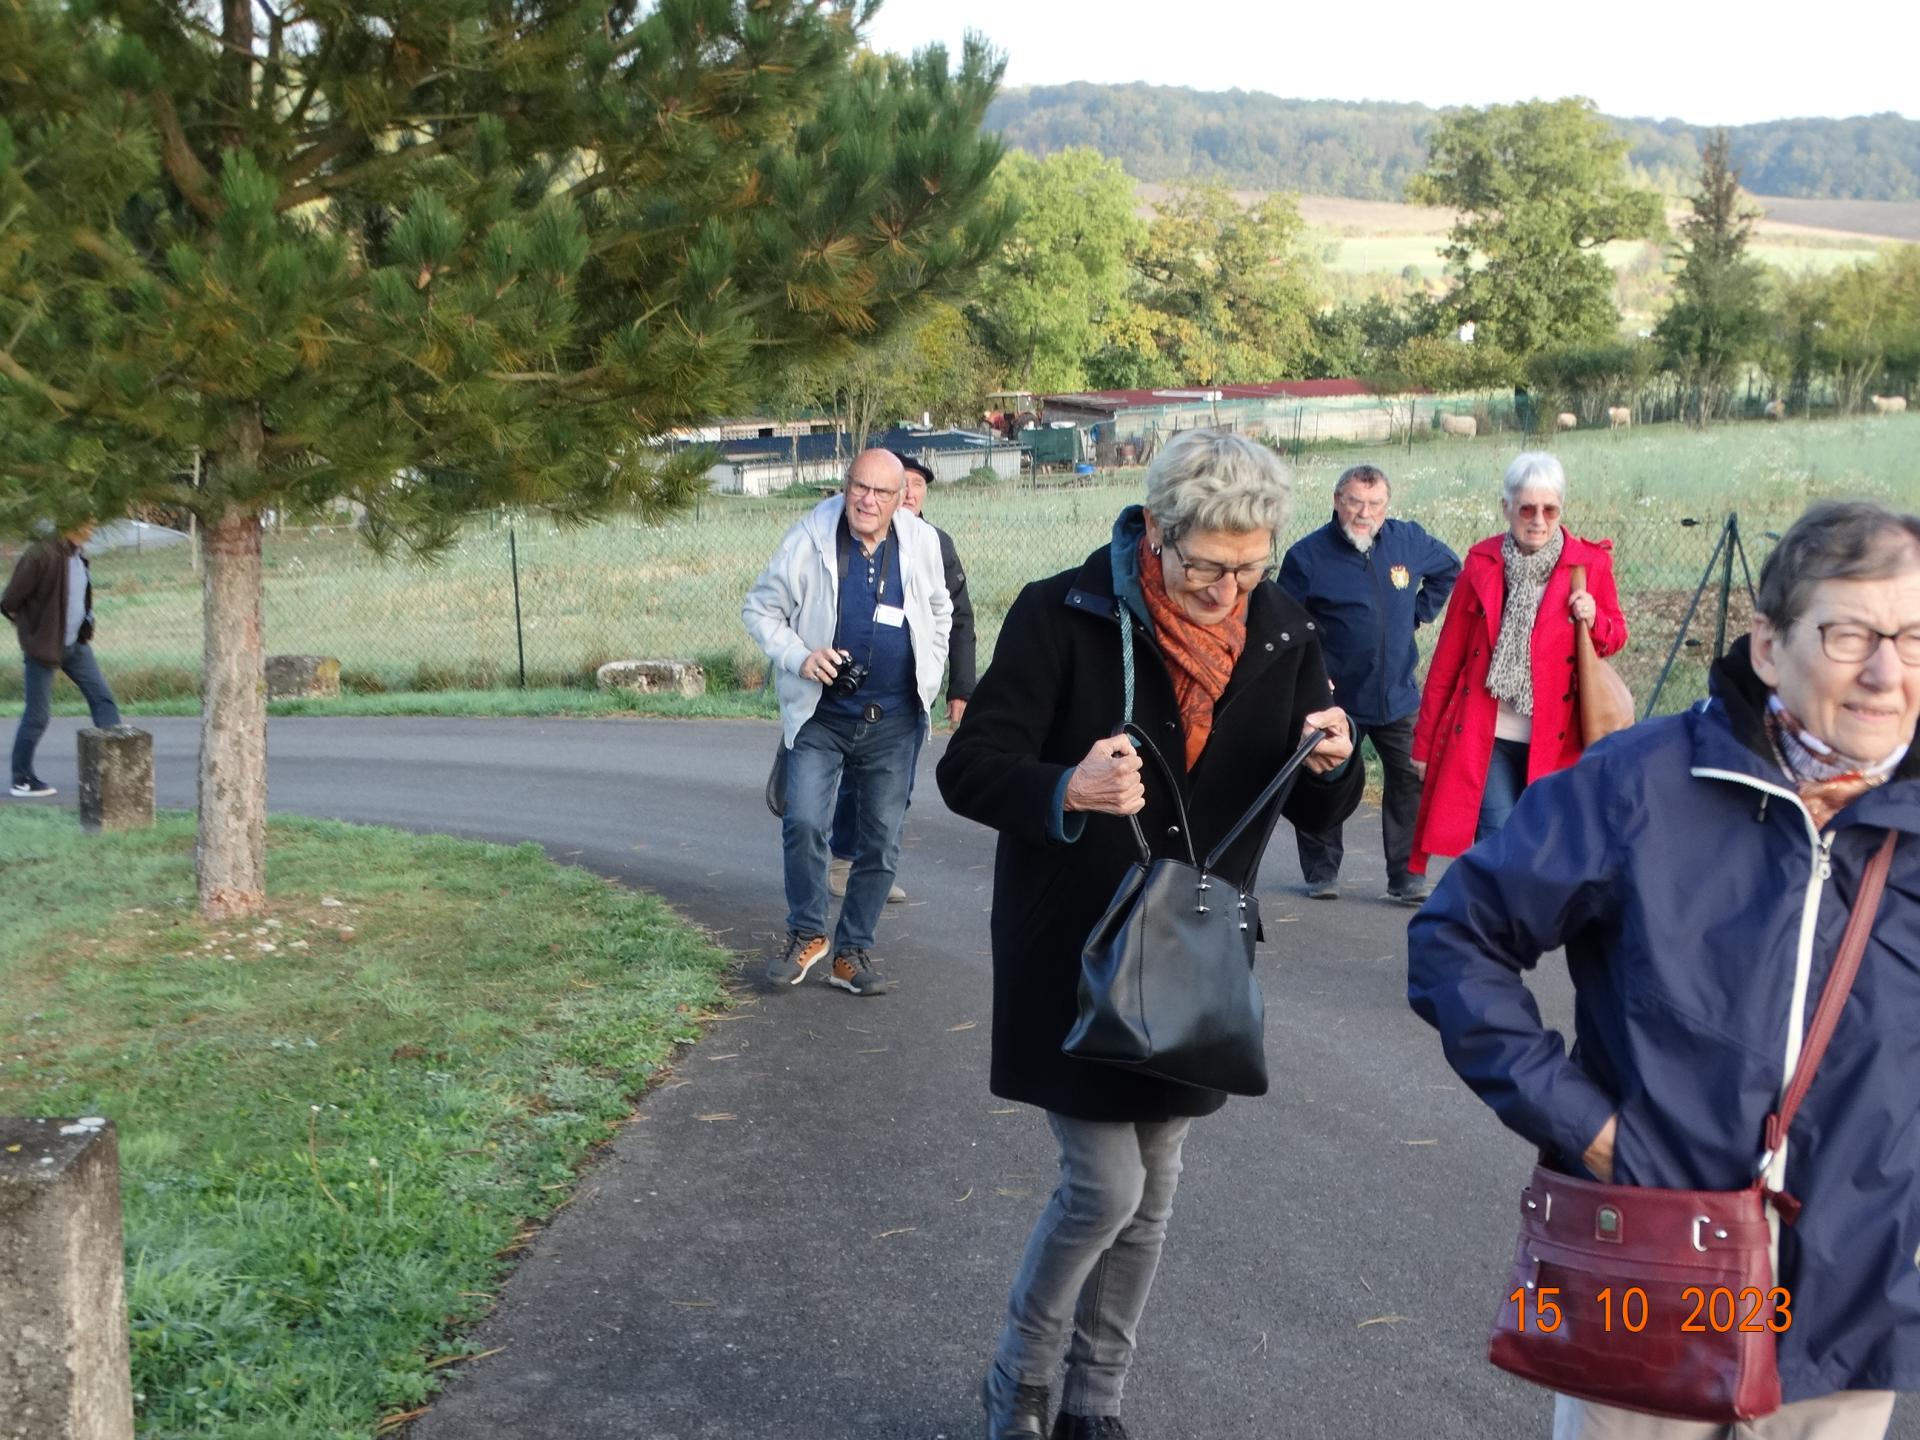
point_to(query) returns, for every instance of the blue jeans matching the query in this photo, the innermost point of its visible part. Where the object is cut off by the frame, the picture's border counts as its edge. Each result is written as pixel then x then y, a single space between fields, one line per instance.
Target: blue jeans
pixel 1506 778
pixel 1091 1258
pixel 79 664
pixel 840 841
pixel 878 758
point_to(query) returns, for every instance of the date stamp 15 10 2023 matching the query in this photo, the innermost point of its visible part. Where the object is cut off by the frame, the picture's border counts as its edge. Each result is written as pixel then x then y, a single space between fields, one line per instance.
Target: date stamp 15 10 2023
pixel 1699 1310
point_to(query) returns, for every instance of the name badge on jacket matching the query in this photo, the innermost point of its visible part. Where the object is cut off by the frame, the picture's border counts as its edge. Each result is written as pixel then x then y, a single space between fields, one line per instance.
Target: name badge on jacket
pixel 889 615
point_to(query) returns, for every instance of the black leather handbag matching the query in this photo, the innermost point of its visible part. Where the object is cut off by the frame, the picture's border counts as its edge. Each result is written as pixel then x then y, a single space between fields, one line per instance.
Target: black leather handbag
pixel 1166 978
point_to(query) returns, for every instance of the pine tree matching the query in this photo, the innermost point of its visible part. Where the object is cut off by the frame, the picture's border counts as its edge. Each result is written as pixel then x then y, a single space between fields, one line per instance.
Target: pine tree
pixel 429 256
pixel 1719 313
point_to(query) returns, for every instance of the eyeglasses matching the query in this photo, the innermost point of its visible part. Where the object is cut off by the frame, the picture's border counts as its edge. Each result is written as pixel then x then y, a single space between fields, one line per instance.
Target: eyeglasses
pixel 1851 644
pixel 857 488
pixel 1535 512
pixel 1210 572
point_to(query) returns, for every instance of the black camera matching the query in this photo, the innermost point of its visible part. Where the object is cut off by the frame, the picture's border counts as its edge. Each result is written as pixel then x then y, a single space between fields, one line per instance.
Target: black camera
pixel 849 678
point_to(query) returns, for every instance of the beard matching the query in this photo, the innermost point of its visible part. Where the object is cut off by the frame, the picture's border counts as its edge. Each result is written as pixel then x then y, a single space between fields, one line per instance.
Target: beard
pixel 1362 539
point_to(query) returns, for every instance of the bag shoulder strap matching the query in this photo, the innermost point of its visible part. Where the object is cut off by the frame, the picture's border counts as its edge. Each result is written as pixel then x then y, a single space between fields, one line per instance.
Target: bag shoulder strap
pixel 1272 795
pixel 1826 1018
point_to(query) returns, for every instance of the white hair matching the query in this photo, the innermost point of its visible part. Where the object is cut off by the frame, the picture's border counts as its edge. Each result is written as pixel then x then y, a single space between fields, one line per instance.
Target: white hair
pixel 1213 480
pixel 1531 468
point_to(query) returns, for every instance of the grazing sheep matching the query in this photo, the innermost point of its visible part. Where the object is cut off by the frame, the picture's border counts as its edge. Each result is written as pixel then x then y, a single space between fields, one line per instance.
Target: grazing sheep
pixel 1889 404
pixel 1776 410
pixel 1566 420
pixel 1459 425
pixel 1619 417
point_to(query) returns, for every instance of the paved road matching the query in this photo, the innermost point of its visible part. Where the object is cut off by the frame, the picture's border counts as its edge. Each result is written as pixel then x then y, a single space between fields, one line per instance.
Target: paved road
pixel 829 1261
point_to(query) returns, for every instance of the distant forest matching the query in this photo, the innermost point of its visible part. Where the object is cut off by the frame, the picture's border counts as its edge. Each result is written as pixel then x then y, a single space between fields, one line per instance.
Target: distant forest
pixel 1368 150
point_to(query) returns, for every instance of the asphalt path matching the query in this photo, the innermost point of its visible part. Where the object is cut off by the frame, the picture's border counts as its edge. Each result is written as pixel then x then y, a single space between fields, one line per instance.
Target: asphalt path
pixel 809 1230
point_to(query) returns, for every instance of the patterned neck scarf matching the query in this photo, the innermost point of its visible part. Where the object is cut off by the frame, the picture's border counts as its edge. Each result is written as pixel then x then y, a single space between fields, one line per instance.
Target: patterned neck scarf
pixel 1510 672
pixel 1828 781
pixel 1200 657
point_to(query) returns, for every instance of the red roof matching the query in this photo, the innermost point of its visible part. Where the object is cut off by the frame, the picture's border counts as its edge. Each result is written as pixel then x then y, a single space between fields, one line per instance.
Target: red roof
pixel 1189 394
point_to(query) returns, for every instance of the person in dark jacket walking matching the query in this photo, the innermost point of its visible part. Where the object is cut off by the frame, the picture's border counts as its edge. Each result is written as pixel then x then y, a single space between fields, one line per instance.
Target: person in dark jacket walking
pixel 49 599
pixel 1229 676
pixel 960 678
pixel 1699 869
pixel 1369 582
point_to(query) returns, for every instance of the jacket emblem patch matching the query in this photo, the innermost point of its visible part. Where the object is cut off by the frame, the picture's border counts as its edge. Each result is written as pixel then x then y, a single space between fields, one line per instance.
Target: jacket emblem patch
pixel 1401 579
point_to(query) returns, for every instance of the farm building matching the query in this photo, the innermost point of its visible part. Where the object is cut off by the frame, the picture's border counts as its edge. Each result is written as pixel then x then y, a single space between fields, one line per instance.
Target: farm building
pixel 762 465
pixel 1125 425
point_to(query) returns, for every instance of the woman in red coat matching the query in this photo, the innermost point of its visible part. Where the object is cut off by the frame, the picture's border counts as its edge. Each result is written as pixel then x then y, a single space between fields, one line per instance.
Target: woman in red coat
pixel 1498 710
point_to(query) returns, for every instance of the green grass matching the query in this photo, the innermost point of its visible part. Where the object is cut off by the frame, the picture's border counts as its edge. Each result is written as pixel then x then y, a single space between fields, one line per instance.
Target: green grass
pixel 715 705
pixel 623 589
pixel 336 1123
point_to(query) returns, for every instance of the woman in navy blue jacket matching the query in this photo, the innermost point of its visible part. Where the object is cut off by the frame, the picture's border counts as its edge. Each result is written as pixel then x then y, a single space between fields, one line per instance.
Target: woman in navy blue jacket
pixel 1699 870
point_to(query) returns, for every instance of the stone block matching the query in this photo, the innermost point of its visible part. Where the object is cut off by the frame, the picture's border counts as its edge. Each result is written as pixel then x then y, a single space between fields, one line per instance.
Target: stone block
pixel 652 677
pixel 116 778
pixel 64 1370
pixel 302 677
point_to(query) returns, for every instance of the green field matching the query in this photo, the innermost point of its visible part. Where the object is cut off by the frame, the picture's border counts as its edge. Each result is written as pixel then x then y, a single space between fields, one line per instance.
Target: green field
pixel 1391 254
pixel 626 589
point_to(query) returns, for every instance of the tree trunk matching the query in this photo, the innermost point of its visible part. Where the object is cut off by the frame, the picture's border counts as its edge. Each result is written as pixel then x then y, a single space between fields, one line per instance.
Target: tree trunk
pixel 230 857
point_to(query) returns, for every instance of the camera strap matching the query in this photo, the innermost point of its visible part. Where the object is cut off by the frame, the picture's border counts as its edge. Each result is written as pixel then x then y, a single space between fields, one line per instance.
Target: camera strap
pixel 844 553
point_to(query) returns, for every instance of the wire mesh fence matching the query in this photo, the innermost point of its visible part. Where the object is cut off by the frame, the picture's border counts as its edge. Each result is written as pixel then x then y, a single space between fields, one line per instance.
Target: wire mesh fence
pixel 521 601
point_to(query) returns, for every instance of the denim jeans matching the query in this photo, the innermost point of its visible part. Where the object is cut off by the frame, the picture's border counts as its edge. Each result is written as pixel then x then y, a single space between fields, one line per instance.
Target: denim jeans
pixel 81 668
pixel 840 841
pixel 1506 778
pixel 1091 1259
pixel 1322 851
pixel 878 758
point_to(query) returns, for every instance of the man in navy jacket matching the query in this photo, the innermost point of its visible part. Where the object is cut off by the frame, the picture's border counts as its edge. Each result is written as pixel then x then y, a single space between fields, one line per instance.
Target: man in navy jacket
pixel 1369 583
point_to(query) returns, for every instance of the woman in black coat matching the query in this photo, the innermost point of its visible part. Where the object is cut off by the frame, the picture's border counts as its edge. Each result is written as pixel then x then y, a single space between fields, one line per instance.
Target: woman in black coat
pixel 1228 678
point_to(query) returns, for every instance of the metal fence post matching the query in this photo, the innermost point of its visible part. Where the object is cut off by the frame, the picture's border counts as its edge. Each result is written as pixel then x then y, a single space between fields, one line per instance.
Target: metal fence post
pixel 519 633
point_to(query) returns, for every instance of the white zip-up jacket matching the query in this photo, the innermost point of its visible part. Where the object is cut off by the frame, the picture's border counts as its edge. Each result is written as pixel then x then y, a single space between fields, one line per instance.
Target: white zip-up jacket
pixel 793 609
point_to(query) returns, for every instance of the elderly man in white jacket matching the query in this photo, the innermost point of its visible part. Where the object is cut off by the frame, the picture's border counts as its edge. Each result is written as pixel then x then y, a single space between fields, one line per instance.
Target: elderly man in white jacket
pixel 853 613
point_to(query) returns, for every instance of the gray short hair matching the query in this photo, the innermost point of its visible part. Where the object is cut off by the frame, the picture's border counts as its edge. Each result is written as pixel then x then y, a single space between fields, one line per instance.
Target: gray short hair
pixel 1530 468
pixel 1835 540
pixel 1213 480
pixel 1361 475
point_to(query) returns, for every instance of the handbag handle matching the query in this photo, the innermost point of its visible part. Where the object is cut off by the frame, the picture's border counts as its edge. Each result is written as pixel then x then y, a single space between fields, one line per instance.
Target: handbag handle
pixel 1826 1018
pixel 1142 741
pixel 1268 796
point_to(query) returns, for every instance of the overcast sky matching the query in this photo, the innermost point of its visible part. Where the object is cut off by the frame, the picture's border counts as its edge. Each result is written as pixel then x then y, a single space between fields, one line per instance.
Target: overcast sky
pixel 1706 64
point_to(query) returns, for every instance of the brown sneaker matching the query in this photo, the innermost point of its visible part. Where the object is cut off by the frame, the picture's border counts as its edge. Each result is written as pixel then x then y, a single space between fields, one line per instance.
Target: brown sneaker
pixel 803 952
pixel 853 971
pixel 837 872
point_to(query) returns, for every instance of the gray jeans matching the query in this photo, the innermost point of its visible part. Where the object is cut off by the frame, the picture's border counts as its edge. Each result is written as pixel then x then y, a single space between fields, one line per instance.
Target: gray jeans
pixel 1091 1258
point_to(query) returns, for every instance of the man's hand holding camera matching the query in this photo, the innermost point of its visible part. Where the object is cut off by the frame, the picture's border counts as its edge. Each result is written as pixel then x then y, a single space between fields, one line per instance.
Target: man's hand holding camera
pixel 822 665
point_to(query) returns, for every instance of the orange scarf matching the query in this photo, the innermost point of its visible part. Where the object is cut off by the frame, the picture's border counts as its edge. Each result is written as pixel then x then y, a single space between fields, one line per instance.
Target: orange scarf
pixel 1200 658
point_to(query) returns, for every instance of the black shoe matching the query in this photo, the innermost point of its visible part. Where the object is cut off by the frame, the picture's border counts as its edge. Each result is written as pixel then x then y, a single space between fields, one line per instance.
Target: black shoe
pixel 1013 1412
pixel 31 788
pixel 1414 891
pixel 1323 889
pixel 1088 1427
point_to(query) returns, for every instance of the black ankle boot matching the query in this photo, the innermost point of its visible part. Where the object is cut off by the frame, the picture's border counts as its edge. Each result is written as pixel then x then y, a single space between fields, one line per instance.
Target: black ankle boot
pixel 1088 1427
pixel 1014 1412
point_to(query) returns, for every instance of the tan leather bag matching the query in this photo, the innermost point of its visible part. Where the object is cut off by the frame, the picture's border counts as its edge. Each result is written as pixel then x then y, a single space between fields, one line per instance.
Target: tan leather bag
pixel 1606 704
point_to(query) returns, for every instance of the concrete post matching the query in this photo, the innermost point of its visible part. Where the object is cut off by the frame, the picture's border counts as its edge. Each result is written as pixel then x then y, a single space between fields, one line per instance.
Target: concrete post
pixel 64 1370
pixel 116 778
